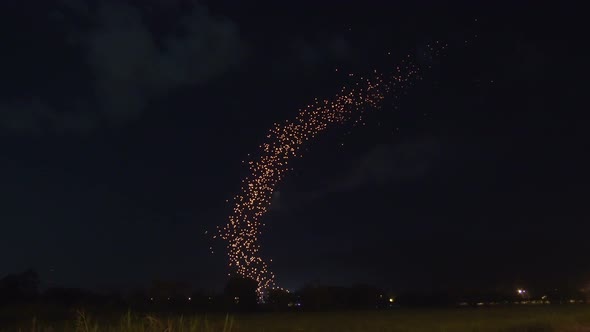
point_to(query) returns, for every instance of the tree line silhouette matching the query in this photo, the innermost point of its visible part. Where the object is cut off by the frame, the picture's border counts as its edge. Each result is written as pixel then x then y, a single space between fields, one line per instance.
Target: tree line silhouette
pixel 240 295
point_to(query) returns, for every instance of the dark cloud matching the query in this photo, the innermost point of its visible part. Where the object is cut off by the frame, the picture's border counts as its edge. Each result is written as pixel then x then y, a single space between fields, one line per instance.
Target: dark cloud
pixel 382 165
pixel 77 6
pixel 394 162
pixel 305 55
pixel 276 202
pixel 130 68
pixel 25 116
pixel 327 48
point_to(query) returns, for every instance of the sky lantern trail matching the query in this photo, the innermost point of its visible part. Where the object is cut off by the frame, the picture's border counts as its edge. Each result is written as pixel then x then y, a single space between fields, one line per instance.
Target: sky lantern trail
pixel 284 142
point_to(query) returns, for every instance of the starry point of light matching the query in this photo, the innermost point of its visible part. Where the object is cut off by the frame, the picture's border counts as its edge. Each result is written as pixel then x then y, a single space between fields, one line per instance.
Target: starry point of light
pixel 284 142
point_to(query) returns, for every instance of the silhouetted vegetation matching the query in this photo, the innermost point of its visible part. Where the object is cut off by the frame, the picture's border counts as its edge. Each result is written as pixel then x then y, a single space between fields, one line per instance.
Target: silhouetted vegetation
pixel 240 293
pixel 19 287
pixel 21 299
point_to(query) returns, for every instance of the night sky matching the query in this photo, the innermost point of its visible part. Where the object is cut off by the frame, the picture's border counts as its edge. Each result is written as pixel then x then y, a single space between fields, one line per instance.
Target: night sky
pixel 123 125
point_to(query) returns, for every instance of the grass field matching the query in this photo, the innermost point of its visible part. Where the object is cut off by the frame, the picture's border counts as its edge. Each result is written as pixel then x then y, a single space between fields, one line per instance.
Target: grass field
pixel 513 319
